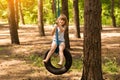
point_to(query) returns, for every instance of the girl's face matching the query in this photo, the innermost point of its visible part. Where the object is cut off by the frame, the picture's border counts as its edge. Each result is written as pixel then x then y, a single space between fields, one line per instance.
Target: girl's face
pixel 61 22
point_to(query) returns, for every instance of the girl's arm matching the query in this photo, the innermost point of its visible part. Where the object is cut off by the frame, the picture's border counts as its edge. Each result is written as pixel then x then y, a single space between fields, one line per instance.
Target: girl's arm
pixel 62 29
pixel 53 31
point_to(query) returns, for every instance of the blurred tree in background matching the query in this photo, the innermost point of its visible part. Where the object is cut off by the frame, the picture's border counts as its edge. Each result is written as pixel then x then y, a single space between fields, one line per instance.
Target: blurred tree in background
pixel 30 8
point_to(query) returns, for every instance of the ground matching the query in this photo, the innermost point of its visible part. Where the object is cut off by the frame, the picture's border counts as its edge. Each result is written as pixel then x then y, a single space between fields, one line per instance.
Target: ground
pixel 14 62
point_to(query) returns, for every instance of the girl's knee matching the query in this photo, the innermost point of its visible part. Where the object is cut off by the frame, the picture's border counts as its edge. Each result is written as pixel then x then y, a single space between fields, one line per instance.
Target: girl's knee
pixel 52 50
pixel 60 51
pixel 62 46
pixel 53 47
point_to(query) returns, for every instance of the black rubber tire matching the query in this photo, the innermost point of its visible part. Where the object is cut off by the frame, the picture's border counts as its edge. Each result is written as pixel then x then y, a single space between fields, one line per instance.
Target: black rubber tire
pixel 63 69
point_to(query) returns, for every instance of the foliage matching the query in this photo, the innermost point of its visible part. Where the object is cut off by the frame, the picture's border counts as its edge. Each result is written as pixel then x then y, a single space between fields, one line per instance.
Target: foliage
pixel 30 9
pixel 106 9
pixel 110 66
pixel 3 10
pixel 36 60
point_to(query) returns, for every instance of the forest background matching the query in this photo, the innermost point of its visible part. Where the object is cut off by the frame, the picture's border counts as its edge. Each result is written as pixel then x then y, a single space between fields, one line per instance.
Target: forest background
pixel 30 8
pixel 30 14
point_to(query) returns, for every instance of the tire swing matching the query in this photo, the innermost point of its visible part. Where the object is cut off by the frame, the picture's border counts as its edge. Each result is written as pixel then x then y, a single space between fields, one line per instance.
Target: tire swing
pixel 63 69
pixel 68 58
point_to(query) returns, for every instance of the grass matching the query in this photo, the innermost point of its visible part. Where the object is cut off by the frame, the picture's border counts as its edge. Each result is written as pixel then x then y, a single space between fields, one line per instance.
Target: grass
pixel 1 48
pixel 37 61
pixel 109 66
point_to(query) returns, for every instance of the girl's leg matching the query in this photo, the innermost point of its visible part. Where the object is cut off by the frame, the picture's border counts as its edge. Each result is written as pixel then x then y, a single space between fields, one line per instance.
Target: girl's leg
pixel 53 47
pixel 61 54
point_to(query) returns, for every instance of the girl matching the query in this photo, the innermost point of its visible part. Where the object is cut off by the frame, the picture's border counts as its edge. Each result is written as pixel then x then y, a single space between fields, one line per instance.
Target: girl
pixel 61 24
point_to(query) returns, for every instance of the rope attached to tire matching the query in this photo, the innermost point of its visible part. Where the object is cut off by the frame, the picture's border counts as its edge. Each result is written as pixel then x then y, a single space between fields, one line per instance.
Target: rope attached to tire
pixel 68 58
pixel 64 68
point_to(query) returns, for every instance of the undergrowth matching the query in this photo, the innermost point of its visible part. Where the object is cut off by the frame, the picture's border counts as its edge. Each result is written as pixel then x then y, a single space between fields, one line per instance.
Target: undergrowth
pixel 109 65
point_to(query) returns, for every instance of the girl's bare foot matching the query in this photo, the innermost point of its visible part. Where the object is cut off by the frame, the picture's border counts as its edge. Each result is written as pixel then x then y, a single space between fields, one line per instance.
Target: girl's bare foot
pixel 45 61
pixel 60 63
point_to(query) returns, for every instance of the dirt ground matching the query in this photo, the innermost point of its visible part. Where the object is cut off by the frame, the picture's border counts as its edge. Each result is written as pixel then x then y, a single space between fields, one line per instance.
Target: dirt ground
pixel 14 62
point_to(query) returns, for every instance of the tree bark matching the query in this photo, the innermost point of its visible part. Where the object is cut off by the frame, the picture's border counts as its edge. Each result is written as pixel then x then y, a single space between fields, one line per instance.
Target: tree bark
pixel 21 13
pixel 76 17
pixel 65 11
pixel 16 12
pixel 92 68
pixel 112 14
pixel 40 18
pixel 53 6
pixel 12 23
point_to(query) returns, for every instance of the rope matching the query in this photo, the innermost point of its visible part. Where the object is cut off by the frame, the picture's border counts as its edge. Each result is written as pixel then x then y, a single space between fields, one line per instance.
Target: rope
pixel 57 40
pixel 58 13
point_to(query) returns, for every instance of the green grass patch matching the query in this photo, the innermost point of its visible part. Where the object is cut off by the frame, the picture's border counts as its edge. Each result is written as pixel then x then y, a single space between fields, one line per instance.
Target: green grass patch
pixel 109 66
pixel 77 64
pixel 1 48
pixel 37 61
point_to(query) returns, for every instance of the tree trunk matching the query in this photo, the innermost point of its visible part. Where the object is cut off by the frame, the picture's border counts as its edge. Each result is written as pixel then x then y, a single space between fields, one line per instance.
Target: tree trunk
pixel 54 10
pixel 21 13
pixel 16 12
pixel 92 68
pixel 76 18
pixel 112 14
pixel 12 23
pixel 40 18
pixel 53 6
pixel 65 11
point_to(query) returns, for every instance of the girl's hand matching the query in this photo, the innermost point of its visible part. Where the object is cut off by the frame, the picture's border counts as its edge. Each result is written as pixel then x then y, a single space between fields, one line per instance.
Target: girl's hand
pixel 59 24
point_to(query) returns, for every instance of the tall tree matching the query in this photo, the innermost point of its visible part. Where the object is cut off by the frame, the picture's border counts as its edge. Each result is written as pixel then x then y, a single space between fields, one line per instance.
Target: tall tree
pixel 21 13
pixel 16 12
pixel 53 6
pixel 40 18
pixel 112 13
pixel 65 11
pixel 92 69
pixel 76 17
pixel 12 23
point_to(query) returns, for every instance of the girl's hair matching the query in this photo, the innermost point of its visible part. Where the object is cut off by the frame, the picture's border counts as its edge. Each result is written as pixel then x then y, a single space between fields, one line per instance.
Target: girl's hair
pixel 64 18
